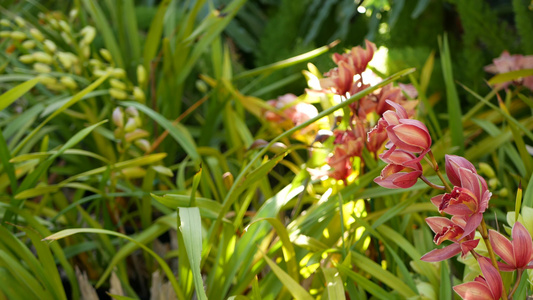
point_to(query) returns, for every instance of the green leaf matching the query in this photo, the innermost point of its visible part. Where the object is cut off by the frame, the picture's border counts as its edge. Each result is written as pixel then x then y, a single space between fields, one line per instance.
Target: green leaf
pixel 296 290
pixel 510 76
pixel 334 284
pixel 13 94
pixel 162 263
pixel 208 208
pixel 287 247
pixel 191 229
pixel 453 101
pixel 445 291
pixel 154 35
pixel 363 282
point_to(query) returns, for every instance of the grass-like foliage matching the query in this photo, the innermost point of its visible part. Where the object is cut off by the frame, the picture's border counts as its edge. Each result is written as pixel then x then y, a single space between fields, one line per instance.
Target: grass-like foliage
pixel 259 150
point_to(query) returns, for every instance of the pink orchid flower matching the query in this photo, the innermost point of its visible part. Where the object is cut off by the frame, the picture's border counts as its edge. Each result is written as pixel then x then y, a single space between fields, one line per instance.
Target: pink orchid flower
pixel 449 230
pixel 453 164
pixel 404 133
pixel 507 63
pixel 470 199
pixel 517 254
pixel 358 58
pixel 488 287
pixel 398 174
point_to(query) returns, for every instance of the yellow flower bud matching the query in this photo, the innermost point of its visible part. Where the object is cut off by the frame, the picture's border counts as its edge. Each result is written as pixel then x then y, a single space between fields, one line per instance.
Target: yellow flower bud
pixel 99 73
pixel 118 94
pixel 88 33
pixel 119 73
pixel 42 57
pixel 50 46
pixel 106 55
pixel 65 59
pixel 37 34
pixel 18 35
pixel 20 21
pixel 86 51
pixel 131 125
pixel 132 112
pixel 5 22
pixel 26 59
pixel 141 74
pixel 142 144
pixel 29 44
pixel 53 23
pixel 4 34
pixel 73 13
pixel 64 26
pixel 118 117
pixel 133 172
pixel 117 84
pixel 68 82
pixel 47 80
pixel 487 170
pixel 136 134
pixel 42 68
pixel 55 87
pixel 66 38
pixel 138 94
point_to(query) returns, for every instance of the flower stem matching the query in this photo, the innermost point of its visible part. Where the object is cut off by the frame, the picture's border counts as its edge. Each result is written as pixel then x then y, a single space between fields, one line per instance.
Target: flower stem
pixel 435 167
pixel 485 235
pixel 431 184
pixel 518 278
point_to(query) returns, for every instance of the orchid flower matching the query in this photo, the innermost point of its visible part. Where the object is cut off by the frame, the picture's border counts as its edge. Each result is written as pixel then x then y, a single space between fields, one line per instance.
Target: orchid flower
pixel 398 173
pixel 451 230
pixel 518 253
pixel 488 287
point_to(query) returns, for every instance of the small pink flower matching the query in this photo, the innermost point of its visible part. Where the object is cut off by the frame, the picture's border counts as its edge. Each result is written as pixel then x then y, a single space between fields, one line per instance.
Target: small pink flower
pixel 339 80
pixel 489 287
pixel 507 63
pixel 517 254
pixel 340 163
pixel 449 230
pixel 398 174
pixel 358 58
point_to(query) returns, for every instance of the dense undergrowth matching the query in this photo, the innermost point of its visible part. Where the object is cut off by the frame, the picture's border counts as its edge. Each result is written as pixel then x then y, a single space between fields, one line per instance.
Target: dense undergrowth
pixel 265 149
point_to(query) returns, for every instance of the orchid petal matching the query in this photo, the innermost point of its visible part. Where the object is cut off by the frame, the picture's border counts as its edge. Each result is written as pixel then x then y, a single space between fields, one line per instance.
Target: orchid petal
pixel 502 246
pixel 472 223
pixel 473 291
pixel 453 164
pixel 522 245
pixel 492 276
pixel 400 111
pixel 442 254
pixel 437 223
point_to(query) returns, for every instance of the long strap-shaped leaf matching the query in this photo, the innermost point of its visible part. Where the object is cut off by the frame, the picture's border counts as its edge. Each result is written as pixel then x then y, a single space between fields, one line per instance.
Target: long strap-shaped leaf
pixel 13 94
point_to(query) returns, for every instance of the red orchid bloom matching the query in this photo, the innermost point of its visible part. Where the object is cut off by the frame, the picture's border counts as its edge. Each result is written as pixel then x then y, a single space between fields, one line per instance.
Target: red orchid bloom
pixel 398 173
pixel 451 230
pixel 489 287
pixel 470 199
pixel 517 254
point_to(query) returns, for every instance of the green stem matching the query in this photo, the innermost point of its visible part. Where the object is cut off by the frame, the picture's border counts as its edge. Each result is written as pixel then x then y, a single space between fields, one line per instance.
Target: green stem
pixel 433 162
pixel 431 184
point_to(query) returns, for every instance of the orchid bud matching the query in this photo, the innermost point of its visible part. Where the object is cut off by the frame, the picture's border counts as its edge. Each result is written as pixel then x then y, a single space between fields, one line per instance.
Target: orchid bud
pixel 64 26
pixel 18 35
pixel 20 22
pixel 106 55
pixel 138 94
pixel 99 73
pixel 26 59
pixel 142 144
pixel 53 23
pixel 73 13
pixel 131 125
pixel 42 68
pixel 453 164
pixel 118 117
pixel 66 38
pixel 486 169
pixel 133 172
pixel 29 44
pixel 278 148
pixel 65 59
pixel 117 84
pixel 47 80
pixel 5 34
pixel 132 112
pixel 401 171
pixel 118 94
pixel 55 86
pixel 37 34
pixel 89 34
pixel 5 22
pixel 50 46
pixel 118 73
pixel 68 82
pixel 86 51
pixel 141 74
pixel 95 62
pixel 227 179
pixel 42 57
pixel 136 134
pixel 260 143
pixel 493 183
